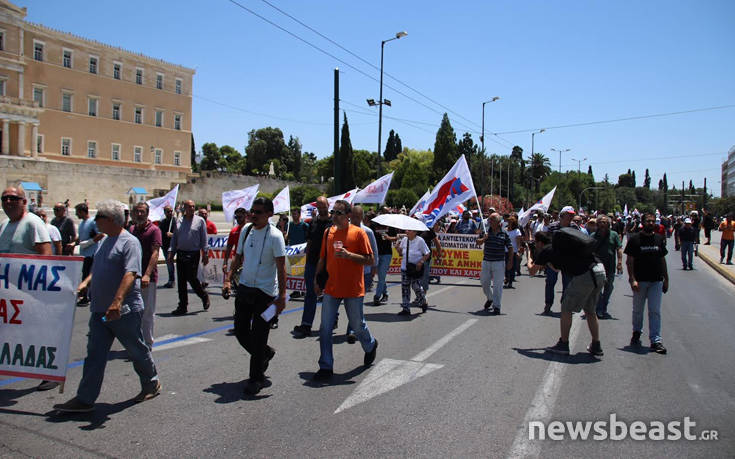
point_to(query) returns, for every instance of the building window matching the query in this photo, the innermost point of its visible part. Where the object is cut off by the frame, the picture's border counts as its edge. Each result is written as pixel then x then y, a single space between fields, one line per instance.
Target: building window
pixel 177 158
pixel 39 96
pixel 138 115
pixel 159 81
pixel 66 59
pixel 116 112
pixel 116 71
pixel 138 76
pixel 2 87
pixel 158 157
pixel 178 86
pixel 159 118
pixel 93 103
pixel 93 64
pixel 66 146
pixel 2 40
pixel 38 50
pixel 66 102
pixel 91 149
pixel 177 122
pixel 39 143
pixel 115 152
pixel 138 154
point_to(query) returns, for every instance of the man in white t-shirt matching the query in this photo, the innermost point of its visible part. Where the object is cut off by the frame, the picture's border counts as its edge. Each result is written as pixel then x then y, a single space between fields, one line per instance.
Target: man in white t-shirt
pixel 262 252
pixel 53 232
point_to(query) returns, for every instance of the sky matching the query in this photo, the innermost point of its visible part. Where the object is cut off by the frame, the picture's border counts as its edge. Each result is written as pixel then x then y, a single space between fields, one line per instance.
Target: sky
pixel 552 63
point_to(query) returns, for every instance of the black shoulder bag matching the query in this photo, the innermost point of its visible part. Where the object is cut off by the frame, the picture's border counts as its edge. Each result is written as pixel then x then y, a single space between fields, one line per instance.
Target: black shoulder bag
pixel 412 270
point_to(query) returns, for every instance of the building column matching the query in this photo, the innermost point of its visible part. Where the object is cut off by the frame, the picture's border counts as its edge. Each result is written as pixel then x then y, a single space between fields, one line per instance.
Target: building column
pixel 34 141
pixel 6 137
pixel 21 139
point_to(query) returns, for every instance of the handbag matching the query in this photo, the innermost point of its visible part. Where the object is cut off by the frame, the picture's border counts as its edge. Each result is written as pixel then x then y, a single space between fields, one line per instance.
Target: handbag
pixel 323 275
pixel 412 270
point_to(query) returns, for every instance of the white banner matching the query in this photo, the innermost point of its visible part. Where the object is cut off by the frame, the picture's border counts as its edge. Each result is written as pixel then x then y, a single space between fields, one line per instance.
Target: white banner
pixel 455 188
pixel 375 192
pixel 282 201
pixel 37 305
pixel 233 199
pixel 309 210
pixel 542 204
pixel 156 205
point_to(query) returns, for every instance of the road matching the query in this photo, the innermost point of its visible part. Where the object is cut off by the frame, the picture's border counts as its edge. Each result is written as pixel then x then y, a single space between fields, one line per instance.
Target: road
pixel 449 383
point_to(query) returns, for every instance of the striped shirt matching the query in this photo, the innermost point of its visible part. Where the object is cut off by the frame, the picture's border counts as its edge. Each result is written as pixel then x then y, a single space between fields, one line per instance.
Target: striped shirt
pixel 496 245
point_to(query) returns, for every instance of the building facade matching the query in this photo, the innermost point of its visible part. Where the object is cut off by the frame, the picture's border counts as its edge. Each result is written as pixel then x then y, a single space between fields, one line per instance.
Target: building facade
pixel 728 175
pixel 70 99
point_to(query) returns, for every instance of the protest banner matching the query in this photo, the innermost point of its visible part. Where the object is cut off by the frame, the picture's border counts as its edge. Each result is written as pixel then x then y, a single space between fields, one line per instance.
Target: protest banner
pixel 156 206
pixel 37 305
pixel 233 199
pixel 461 257
pixel 375 192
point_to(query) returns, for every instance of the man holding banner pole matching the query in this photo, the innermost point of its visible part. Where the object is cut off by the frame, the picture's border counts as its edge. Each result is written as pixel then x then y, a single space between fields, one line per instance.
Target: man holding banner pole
pixel 116 311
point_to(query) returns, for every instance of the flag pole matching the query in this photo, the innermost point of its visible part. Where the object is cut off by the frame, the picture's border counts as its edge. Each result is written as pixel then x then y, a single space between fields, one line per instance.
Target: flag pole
pixel 482 216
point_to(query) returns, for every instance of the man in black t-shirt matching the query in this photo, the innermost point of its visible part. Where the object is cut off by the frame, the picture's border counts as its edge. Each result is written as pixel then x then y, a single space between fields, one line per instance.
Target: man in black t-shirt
pixel 314 237
pixel 649 280
pixel 384 236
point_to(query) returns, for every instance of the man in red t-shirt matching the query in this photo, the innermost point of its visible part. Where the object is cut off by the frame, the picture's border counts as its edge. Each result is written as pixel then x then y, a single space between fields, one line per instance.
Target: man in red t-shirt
pixel 211 227
pixel 344 253
pixel 241 219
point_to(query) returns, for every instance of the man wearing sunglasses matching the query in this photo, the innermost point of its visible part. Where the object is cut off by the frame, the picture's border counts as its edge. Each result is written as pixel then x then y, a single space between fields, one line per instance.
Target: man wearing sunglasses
pixel 189 242
pixel 344 253
pixel 261 251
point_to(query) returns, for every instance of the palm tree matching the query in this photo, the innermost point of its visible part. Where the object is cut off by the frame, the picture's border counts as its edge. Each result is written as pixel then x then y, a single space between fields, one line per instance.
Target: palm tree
pixel 540 168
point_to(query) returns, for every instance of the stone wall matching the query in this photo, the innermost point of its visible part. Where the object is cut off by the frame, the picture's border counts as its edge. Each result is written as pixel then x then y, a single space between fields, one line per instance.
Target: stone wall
pixel 208 186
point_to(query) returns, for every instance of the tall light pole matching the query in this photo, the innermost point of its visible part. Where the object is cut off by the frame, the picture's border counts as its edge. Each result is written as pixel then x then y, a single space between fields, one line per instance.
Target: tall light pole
pixel 560 152
pixel 492 175
pixel 482 141
pixel 533 134
pixel 382 102
pixel 579 164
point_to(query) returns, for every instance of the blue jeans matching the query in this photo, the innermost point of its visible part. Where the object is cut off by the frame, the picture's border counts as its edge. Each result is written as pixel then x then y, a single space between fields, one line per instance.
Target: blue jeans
pixel 551 277
pixel 356 319
pixel 606 292
pixel 425 279
pixel 307 317
pixel 101 335
pixel 653 292
pixel 383 265
pixel 726 245
pixel 687 252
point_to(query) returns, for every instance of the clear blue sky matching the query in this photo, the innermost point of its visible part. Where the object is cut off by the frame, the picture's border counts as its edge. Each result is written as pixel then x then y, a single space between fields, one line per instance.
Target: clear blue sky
pixel 551 62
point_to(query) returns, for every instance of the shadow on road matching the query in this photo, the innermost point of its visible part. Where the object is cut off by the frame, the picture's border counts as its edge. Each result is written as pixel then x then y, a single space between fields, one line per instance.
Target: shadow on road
pixel 542 354
pixel 233 391
pixel 551 315
pixel 223 319
pixel 8 396
pixel 640 350
pixel 96 419
pixel 338 379
pixel 389 317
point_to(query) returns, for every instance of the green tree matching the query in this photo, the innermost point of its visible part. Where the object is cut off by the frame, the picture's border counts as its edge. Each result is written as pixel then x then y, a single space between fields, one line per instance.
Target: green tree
pixel 626 180
pixel 589 172
pixel 292 160
pixel 516 169
pixel 445 148
pixel 346 158
pixel 413 170
pixel 211 158
pixel 540 169
pixel 467 147
pixel 194 165
pixel 264 145
pixel 363 163
pixel 401 197
pixel 303 194
pixel 647 180
pixel 392 147
pixel 232 160
pixel 308 168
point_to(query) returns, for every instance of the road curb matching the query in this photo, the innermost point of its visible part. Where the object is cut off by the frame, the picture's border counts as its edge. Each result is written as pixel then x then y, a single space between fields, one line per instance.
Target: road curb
pixel 717 266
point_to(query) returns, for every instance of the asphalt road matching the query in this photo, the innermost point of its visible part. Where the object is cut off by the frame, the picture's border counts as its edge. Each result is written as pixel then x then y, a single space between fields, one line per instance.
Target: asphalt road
pixel 449 383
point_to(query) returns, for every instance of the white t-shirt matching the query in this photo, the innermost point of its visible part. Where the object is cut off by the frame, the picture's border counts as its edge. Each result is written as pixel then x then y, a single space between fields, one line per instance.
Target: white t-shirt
pixel 514 234
pixel 23 235
pixel 417 247
pixel 259 252
pixel 55 235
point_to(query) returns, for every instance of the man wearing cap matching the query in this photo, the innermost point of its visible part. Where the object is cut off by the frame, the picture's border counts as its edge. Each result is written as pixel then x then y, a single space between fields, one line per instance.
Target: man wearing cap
pixel 687 239
pixel 467 225
pixel 565 220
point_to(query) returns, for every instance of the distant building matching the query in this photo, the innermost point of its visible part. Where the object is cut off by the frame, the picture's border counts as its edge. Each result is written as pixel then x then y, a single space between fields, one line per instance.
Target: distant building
pixel 728 174
pixel 71 99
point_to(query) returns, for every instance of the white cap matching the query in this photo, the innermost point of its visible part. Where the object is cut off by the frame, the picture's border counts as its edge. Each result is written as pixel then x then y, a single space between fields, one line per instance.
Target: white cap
pixel 688 220
pixel 567 210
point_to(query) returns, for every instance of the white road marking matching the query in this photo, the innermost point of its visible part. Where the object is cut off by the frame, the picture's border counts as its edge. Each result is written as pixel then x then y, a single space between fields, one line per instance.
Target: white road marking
pixel 441 290
pixel 389 374
pixel 543 403
pixel 175 344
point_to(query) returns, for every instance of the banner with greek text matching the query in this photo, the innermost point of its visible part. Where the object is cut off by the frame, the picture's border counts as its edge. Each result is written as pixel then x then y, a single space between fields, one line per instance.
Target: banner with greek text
pixel 460 257
pixel 37 305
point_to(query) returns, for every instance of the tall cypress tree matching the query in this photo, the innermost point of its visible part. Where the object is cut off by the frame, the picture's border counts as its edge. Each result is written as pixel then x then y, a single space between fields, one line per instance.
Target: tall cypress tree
pixel 390 147
pixel 345 153
pixel 647 180
pixel 194 165
pixel 445 148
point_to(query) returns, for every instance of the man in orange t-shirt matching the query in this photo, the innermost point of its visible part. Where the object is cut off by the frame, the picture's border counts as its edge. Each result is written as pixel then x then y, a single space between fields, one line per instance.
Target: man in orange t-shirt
pixel 345 251
pixel 728 237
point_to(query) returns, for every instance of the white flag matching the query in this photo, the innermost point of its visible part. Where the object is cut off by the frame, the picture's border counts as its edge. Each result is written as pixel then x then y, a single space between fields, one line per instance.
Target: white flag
pixel 419 206
pixel 233 199
pixel 375 192
pixel 455 188
pixel 282 201
pixel 625 210
pixel 156 205
pixel 542 204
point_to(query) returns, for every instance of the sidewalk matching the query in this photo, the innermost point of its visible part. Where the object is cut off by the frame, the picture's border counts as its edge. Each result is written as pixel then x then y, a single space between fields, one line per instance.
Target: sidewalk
pixel 710 254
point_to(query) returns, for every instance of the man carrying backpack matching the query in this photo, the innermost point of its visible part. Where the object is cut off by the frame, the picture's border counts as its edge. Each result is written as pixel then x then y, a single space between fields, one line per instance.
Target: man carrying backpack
pixel 572 252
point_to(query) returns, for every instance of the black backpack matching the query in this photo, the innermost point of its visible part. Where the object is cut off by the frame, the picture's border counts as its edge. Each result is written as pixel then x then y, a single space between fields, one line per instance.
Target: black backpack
pixel 571 241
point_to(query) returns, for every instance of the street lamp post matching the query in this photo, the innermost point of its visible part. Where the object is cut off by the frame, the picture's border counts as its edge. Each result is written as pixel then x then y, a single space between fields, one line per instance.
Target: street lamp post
pixel 482 141
pixel 381 102
pixel 560 151
pixel 579 200
pixel 579 164
pixel 533 134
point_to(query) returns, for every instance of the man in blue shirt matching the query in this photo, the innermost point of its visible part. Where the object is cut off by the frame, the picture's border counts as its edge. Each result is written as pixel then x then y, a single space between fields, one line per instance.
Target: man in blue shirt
pixel 466 225
pixel 494 263
pixel 87 242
